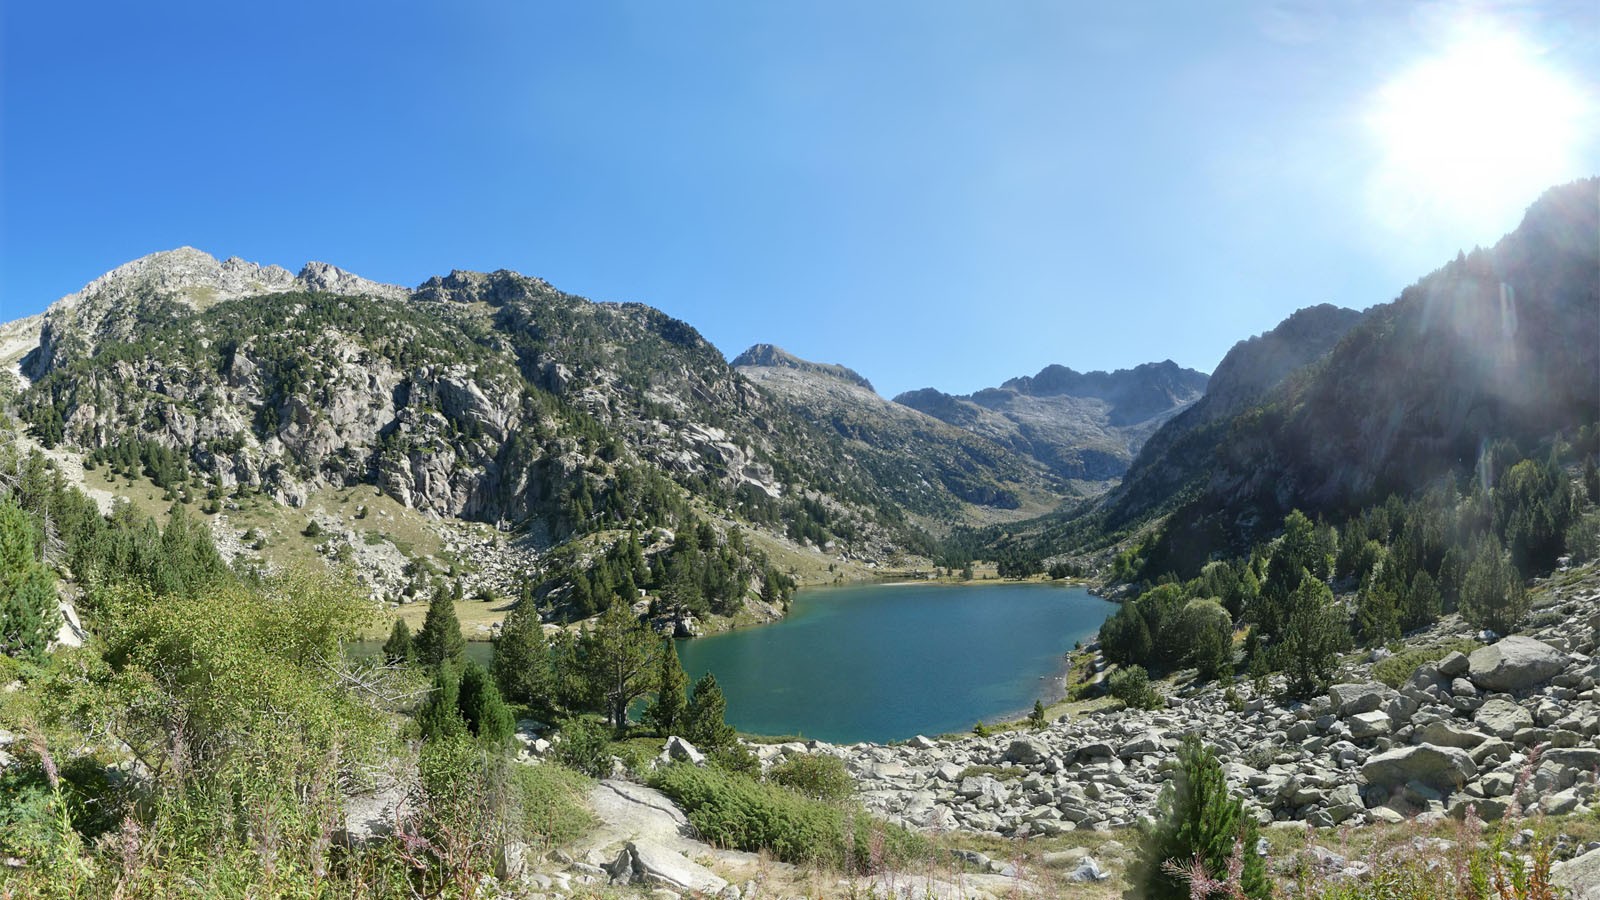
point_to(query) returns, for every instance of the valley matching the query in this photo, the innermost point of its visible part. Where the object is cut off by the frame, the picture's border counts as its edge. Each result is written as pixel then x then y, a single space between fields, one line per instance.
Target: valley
pixel 1353 582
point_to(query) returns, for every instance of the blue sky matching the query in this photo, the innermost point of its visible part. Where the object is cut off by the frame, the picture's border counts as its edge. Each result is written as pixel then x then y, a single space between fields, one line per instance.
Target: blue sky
pixel 945 194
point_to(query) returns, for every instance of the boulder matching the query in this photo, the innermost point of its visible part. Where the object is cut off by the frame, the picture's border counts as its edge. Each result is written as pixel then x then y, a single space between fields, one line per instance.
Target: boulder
pixel 1368 725
pixel 1453 664
pixel 1585 759
pixel 678 749
pixel 656 865
pixel 1027 751
pixel 1445 768
pixel 1445 733
pixel 1502 718
pixel 1580 876
pixel 1350 699
pixel 1088 870
pixel 1515 663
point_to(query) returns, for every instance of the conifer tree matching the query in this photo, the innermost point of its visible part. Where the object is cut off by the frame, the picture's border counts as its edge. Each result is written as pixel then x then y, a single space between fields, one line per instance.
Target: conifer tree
pixel 440 714
pixel 397 649
pixel 522 665
pixel 29 614
pixel 440 643
pixel 705 724
pixel 667 712
pixel 1492 595
pixel 482 709
pixel 617 659
pixel 1197 820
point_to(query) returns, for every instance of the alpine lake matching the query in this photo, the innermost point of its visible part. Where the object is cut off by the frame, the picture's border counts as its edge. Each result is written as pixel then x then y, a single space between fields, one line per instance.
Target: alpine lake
pixel 885 662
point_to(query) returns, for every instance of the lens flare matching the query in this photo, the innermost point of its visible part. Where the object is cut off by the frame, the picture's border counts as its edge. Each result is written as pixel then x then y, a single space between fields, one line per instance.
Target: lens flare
pixel 1470 135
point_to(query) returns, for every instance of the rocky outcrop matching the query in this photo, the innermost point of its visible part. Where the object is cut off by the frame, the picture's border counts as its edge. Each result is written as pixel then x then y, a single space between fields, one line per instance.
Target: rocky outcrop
pixel 767 356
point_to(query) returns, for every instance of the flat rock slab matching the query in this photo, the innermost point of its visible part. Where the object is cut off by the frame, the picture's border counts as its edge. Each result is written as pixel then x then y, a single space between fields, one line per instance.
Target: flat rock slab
pixel 633 812
pixel 1515 663
pixel 1580 876
pixel 657 865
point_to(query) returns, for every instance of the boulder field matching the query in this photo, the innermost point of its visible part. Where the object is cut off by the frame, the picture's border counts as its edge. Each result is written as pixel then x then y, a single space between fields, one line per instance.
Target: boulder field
pixel 1510 728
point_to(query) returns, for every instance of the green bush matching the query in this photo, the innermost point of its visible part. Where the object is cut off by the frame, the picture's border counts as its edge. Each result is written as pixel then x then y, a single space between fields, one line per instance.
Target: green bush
pixel 1398 669
pixel 737 811
pixel 584 746
pixel 736 758
pixel 1131 685
pixel 818 776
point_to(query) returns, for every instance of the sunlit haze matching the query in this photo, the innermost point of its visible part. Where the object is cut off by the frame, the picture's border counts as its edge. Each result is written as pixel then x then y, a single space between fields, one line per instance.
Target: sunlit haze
pixel 1473 132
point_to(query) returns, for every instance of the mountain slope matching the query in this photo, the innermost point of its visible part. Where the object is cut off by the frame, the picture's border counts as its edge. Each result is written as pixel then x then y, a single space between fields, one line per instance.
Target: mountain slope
pixel 1083 426
pixel 1498 345
pixel 488 397
pixel 881 434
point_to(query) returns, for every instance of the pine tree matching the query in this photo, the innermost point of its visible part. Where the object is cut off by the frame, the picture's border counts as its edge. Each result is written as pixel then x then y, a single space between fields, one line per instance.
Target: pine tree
pixel 705 723
pixel 1313 635
pixel 667 712
pixel 482 709
pixel 440 643
pixel 440 714
pixel 397 649
pixel 617 659
pixel 29 613
pixel 1492 595
pixel 1197 820
pixel 522 664
pixel 1036 718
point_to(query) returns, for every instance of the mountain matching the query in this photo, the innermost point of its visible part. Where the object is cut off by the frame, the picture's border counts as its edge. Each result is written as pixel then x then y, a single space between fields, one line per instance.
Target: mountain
pixel 485 397
pixel 1497 347
pixel 1176 456
pixel 1084 426
pixel 766 356
pixel 888 435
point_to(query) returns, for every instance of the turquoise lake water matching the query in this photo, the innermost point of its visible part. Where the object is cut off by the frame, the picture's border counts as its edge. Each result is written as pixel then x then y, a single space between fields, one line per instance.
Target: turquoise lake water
pixel 886 662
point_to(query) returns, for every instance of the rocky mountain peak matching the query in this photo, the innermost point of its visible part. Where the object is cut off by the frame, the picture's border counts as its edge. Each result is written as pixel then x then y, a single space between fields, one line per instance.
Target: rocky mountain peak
pixel 495 288
pixel 772 356
pixel 1258 363
pixel 161 284
pixel 330 279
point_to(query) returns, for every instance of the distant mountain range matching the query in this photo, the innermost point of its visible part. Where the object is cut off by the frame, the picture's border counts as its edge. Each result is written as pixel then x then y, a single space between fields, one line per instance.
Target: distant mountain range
pixel 495 397
pixel 1082 426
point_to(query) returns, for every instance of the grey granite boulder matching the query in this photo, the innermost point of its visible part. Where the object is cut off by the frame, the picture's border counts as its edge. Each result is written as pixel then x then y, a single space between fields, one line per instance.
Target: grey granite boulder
pixel 1515 663
pixel 1445 768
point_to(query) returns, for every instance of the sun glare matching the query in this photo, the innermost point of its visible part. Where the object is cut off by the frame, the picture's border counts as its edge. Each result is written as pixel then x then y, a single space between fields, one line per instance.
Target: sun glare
pixel 1471 136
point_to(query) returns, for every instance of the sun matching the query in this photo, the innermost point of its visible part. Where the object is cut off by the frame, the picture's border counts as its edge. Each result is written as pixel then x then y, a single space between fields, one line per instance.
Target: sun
pixel 1473 134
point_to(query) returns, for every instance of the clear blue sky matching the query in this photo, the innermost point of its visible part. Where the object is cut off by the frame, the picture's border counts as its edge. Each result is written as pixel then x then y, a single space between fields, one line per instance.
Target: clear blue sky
pixel 944 194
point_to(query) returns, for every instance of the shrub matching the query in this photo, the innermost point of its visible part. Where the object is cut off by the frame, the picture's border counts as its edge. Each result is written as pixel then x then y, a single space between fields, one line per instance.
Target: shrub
pixel 736 758
pixel 818 776
pixel 584 747
pixel 737 811
pixel 1132 686
pixel 1398 669
pixel 1198 824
